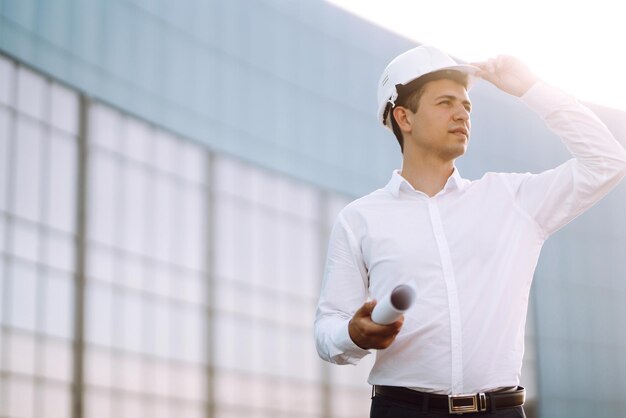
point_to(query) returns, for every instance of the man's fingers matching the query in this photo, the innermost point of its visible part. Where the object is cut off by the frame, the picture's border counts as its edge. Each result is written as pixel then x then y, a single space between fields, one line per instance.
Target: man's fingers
pixel 366 309
pixel 369 306
pixel 493 65
pixel 487 68
pixel 507 73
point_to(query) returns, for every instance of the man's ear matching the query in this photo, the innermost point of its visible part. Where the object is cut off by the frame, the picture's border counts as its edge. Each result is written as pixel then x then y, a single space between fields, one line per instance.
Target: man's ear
pixel 402 118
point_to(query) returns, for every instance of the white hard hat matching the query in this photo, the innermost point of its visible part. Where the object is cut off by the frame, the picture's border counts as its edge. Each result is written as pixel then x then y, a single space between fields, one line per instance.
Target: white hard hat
pixel 409 66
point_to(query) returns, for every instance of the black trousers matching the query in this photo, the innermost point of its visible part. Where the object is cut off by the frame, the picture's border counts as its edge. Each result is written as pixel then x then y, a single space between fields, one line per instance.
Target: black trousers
pixel 389 408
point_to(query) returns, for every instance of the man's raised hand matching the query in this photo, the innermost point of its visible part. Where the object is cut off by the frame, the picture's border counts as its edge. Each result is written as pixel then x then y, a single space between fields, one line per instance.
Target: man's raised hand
pixel 507 73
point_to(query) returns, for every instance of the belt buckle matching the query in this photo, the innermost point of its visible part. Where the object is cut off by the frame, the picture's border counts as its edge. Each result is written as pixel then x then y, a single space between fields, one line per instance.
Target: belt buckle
pixel 460 404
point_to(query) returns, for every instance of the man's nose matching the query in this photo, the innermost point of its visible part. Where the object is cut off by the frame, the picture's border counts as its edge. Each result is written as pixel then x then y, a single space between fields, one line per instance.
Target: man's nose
pixel 461 113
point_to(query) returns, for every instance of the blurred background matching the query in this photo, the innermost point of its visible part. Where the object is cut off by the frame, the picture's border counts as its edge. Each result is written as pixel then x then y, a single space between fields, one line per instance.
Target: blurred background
pixel 169 174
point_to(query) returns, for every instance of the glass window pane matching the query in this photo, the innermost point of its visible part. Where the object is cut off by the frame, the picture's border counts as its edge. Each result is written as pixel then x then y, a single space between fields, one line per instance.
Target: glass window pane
pixel 25 243
pixel 100 263
pixel 131 272
pixel 31 93
pixel 161 408
pixel 59 251
pixel 21 353
pixel 158 280
pixel 131 407
pixel 263 185
pixel 28 166
pixel 269 307
pixel 229 387
pixel 265 339
pixel 305 282
pixel 348 403
pixel 57 360
pixel 302 397
pixel 61 183
pixel 3 229
pixel 298 312
pixel 233 177
pixel 98 367
pixel 225 250
pixel 97 404
pixel 158 377
pixel 165 151
pixel 103 197
pixel 7 81
pixel 104 127
pixel 163 228
pixel 134 208
pixel 23 296
pixel 188 330
pixel 128 371
pixel 56 401
pixel 64 109
pixel 243 249
pixel 306 205
pixel 285 270
pixel 189 382
pixel 180 224
pixel 99 311
pixel 192 288
pixel 191 249
pixel 235 336
pixel 5 122
pixel 309 369
pixel 232 297
pixel 136 140
pixel 128 313
pixel 261 235
pixel 20 397
pixel 59 305
pixel 193 410
pixel 224 173
pixel 154 311
pixel 196 339
pixel 193 162
pixel 286 190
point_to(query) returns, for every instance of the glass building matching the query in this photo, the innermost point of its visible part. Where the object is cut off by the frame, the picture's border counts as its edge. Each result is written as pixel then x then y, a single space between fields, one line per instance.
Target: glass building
pixel 169 174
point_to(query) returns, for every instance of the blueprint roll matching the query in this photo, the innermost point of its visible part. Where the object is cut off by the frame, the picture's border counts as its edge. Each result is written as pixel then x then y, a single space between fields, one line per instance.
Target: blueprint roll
pixel 392 306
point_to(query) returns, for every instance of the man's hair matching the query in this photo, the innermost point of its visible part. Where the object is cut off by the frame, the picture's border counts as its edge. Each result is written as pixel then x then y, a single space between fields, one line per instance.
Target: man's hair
pixel 409 95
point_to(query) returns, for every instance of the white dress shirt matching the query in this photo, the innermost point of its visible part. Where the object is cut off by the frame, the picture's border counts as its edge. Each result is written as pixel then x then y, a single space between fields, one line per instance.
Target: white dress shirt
pixel 470 251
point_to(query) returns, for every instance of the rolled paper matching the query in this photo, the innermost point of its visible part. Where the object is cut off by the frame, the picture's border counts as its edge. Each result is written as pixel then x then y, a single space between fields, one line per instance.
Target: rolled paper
pixel 392 306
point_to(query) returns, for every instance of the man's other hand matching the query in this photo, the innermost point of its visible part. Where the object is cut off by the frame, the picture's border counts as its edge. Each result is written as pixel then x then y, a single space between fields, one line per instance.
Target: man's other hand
pixel 367 334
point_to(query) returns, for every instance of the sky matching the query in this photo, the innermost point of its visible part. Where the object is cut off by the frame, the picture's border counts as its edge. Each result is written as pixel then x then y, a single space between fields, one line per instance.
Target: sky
pixel 579 46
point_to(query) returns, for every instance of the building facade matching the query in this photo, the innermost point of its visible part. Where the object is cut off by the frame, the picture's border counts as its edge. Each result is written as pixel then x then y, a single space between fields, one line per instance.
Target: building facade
pixel 168 179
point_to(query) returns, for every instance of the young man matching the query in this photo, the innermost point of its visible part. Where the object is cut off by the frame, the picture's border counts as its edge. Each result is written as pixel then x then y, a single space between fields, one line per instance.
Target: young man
pixel 469 248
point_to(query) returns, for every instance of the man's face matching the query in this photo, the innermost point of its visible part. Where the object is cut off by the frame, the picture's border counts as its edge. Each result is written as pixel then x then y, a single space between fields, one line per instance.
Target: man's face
pixel 441 124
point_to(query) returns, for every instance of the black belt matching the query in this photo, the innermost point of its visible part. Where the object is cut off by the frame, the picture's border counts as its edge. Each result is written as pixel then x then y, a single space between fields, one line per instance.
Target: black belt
pixel 454 404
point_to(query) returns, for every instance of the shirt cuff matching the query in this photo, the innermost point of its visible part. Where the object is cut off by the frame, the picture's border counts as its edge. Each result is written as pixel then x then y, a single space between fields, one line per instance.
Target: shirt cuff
pixel 345 347
pixel 545 99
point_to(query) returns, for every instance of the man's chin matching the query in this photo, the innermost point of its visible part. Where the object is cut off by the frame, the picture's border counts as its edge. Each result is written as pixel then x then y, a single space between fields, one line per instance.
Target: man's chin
pixel 456 152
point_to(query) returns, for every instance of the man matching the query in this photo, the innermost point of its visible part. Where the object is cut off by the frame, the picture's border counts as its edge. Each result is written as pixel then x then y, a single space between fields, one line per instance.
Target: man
pixel 469 248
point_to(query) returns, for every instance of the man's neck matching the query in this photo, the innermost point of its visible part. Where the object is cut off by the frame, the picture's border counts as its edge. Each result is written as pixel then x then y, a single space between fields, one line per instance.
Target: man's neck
pixel 427 176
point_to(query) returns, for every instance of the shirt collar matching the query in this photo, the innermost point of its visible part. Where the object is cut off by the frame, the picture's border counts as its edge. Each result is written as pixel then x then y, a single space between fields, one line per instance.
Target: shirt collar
pixel 397 183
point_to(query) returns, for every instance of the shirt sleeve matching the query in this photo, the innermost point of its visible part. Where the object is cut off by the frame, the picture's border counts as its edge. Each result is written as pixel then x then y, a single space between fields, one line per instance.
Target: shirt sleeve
pixel 344 290
pixel 555 197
